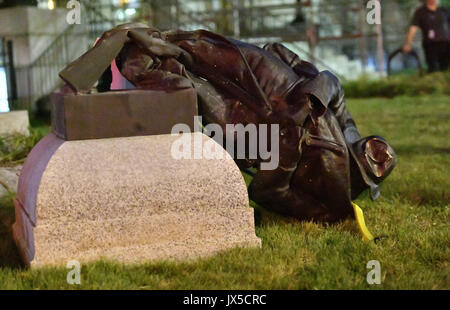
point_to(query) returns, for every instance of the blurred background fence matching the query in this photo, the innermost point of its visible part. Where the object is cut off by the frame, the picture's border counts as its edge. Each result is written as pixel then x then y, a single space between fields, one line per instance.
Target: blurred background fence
pixel 333 34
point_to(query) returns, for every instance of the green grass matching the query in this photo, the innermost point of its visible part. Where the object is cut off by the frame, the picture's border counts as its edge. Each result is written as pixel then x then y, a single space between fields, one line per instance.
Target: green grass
pixel 403 84
pixel 413 211
pixel 15 148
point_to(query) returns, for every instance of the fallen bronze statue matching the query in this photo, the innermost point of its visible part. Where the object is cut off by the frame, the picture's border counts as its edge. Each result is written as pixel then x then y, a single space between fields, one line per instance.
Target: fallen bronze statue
pixel 324 162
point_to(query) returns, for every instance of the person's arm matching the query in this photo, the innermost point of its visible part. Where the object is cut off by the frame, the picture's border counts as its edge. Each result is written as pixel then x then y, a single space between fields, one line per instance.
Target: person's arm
pixel 409 38
pixel 415 25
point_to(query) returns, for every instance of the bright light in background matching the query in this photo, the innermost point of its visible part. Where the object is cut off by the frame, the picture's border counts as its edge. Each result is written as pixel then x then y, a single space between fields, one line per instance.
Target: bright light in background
pixel 51 4
pixel 120 15
pixel 129 3
pixel 130 12
pixel 3 91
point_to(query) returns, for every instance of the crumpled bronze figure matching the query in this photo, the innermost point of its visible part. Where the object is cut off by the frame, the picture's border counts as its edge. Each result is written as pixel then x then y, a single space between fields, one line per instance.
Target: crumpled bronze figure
pixel 324 162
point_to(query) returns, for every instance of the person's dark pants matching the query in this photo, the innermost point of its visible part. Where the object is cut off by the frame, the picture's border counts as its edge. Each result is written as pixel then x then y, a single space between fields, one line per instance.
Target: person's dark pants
pixel 437 55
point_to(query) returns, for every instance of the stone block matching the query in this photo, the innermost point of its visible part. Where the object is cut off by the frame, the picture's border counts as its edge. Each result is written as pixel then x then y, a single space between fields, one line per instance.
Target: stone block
pixel 127 199
pixel 9 178
pixel 15 122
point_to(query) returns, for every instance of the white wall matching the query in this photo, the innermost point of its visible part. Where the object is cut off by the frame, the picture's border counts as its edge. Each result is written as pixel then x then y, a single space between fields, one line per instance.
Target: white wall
pixel 32 30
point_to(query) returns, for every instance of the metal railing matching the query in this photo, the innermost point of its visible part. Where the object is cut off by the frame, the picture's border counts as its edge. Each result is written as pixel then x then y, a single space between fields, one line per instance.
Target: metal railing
pixel 339 26
pixel 41 75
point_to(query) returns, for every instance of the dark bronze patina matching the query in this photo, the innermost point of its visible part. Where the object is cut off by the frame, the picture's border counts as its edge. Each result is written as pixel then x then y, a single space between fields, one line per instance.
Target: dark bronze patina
pixel 324 161
pixel 121 113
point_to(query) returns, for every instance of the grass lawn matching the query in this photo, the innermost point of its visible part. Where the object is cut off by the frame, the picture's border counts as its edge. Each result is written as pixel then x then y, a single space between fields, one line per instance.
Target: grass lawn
pixel 413 212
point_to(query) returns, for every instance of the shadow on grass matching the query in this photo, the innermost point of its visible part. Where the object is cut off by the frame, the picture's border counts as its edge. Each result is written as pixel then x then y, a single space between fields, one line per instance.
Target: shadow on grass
pixel 9 254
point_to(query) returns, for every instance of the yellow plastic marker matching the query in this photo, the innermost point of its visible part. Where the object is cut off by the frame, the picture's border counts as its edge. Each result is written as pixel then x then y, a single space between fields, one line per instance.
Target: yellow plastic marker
pixel 359 215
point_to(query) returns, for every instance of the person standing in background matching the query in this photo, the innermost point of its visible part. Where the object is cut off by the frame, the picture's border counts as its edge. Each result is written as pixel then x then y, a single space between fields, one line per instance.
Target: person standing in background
pixel 433 21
